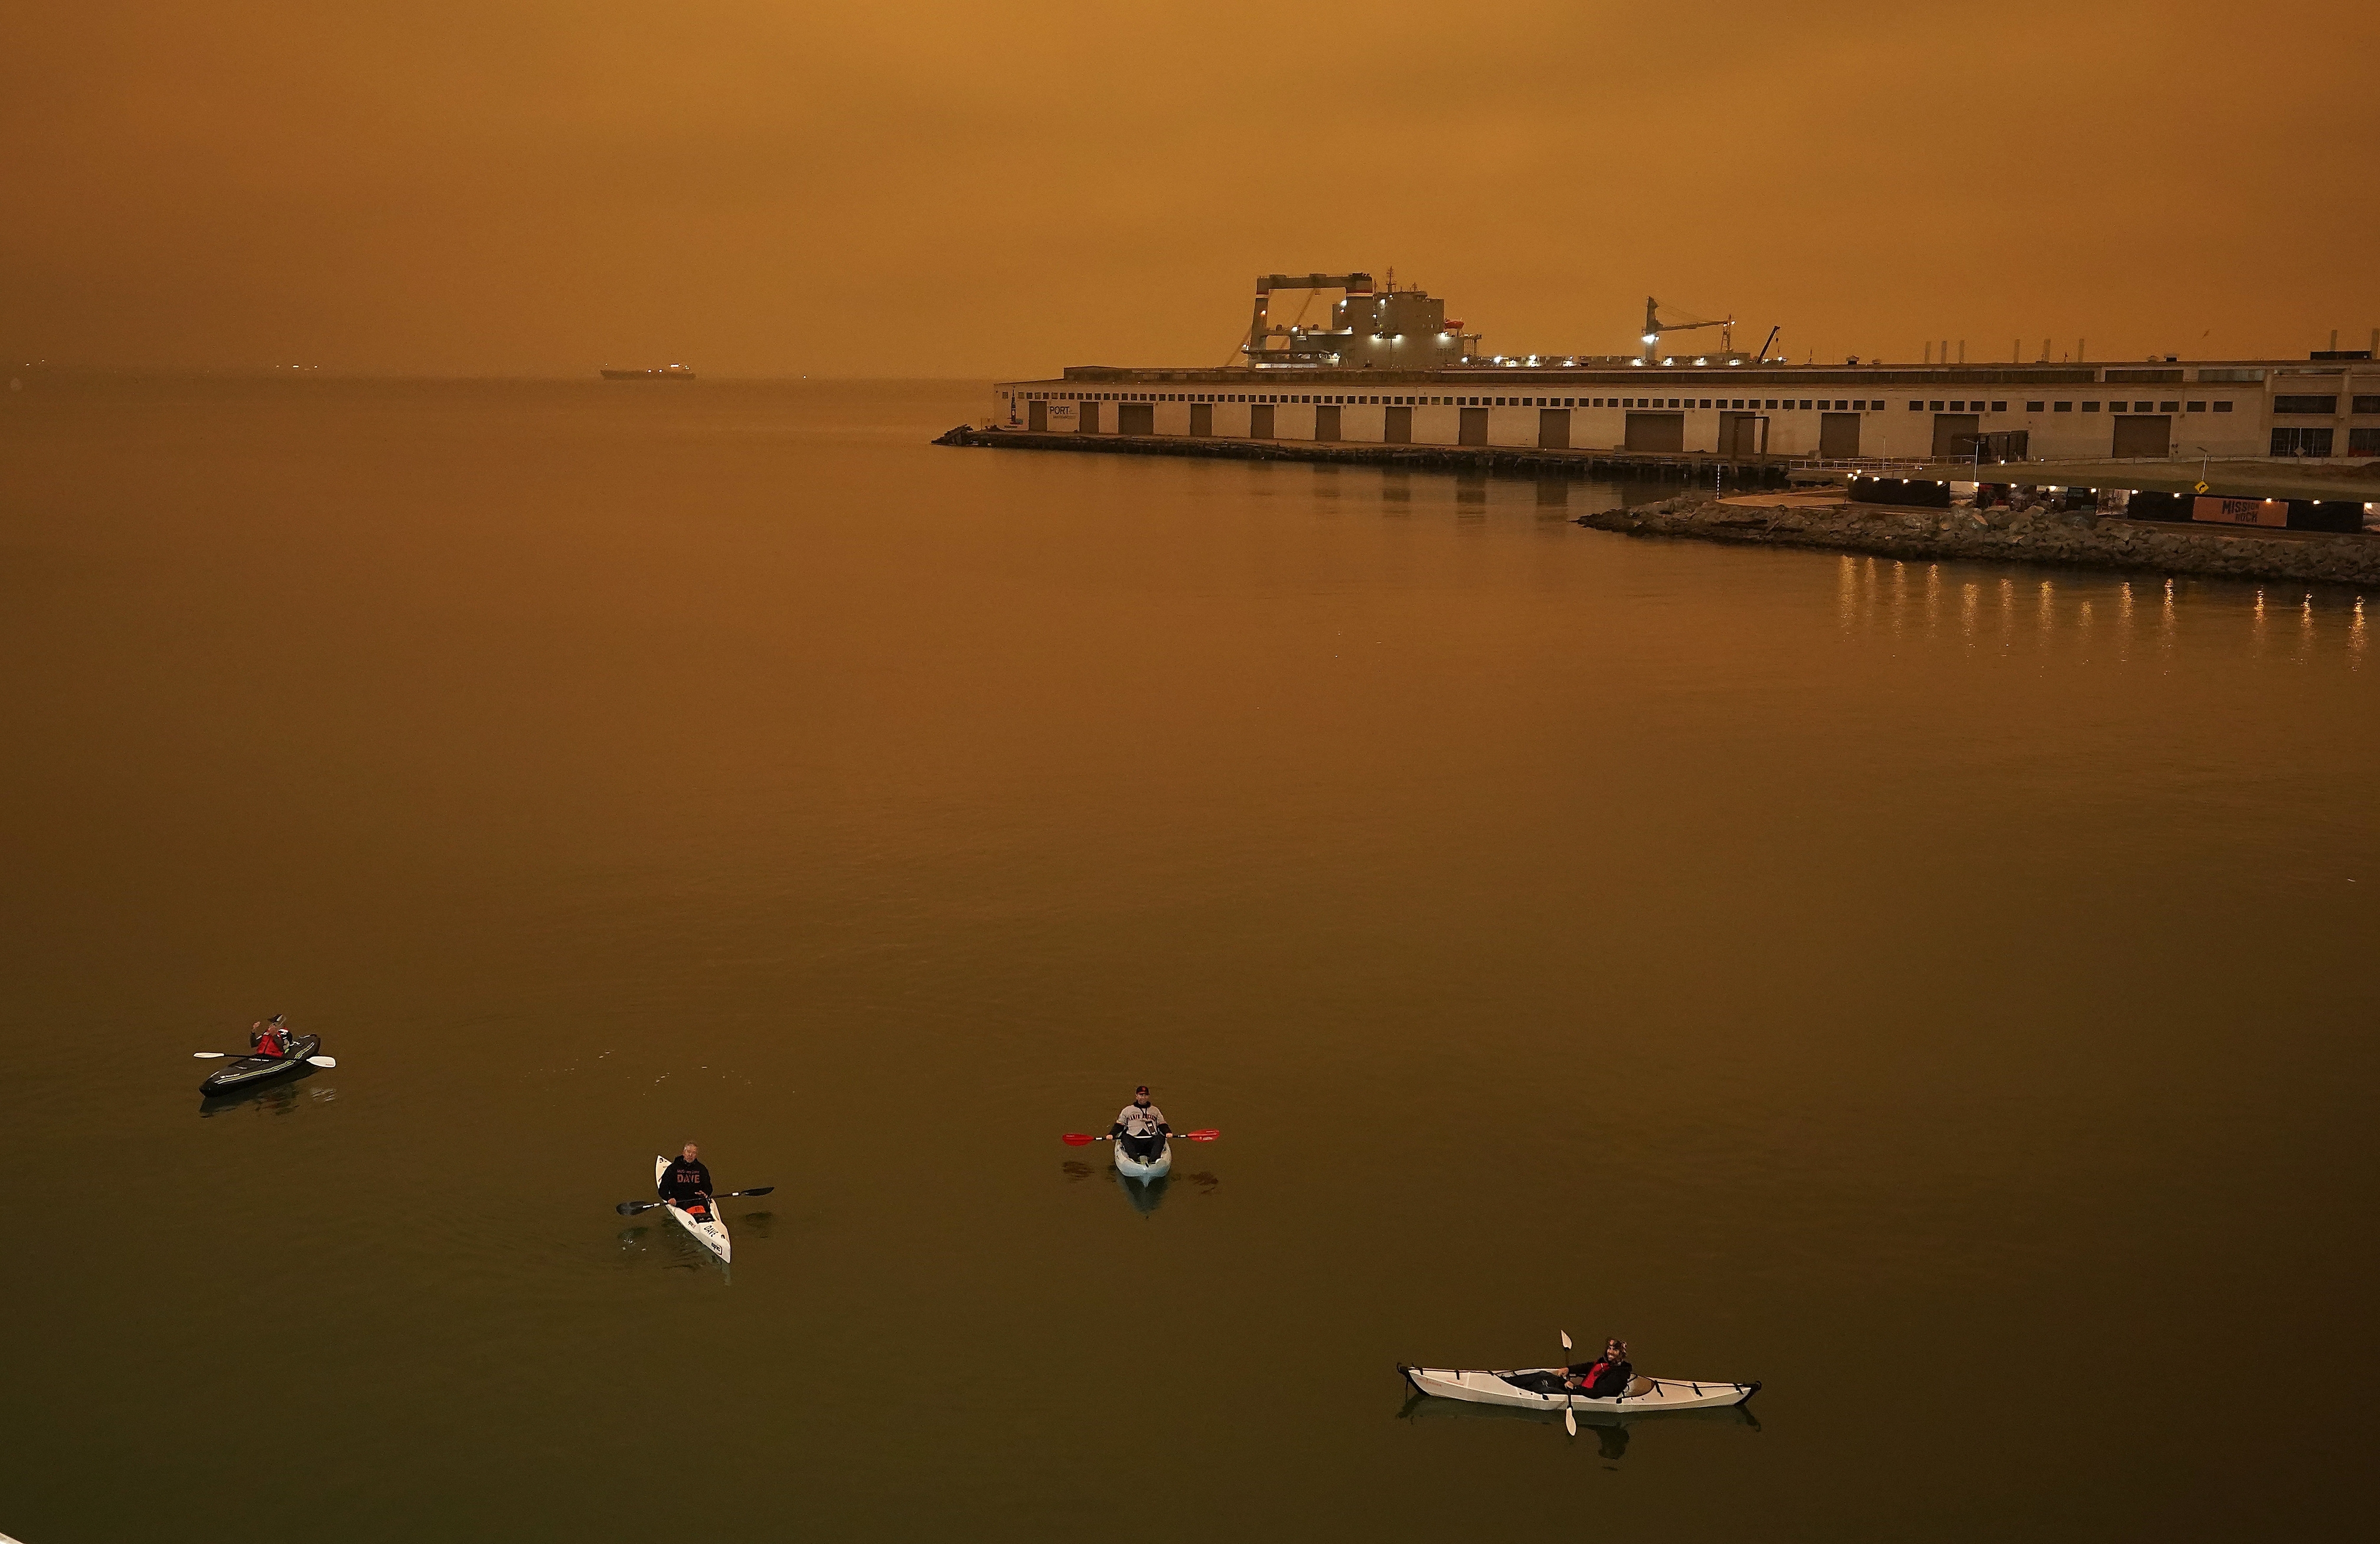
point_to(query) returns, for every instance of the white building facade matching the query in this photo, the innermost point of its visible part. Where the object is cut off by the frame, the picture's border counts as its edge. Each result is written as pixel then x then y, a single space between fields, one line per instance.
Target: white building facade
pixel 2324 409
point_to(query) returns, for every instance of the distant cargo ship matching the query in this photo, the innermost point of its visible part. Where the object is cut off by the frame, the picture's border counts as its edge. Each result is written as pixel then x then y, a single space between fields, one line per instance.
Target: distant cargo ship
pixel 667 372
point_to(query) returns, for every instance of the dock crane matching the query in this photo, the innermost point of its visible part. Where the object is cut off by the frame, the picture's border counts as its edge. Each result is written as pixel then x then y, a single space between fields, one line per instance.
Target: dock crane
pixel 1655 327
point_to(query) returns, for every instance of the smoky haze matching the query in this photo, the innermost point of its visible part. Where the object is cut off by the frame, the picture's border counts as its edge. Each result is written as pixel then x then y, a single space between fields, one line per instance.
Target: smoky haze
pixel 540 187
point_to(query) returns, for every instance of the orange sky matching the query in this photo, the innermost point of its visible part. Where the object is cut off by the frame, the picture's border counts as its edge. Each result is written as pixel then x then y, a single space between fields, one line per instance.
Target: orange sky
pixel 505 186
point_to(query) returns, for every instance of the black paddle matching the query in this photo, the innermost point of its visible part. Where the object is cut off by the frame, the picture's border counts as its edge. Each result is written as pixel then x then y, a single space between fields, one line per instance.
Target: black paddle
pixel 630 1208
pixel 259 1055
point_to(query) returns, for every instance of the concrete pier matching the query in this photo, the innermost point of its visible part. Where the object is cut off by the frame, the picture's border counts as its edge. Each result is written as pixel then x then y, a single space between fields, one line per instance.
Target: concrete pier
pixel 1520 460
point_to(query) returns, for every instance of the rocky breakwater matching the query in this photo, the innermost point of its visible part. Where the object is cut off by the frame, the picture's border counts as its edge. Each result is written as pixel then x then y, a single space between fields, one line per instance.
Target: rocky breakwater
pixel 2061 539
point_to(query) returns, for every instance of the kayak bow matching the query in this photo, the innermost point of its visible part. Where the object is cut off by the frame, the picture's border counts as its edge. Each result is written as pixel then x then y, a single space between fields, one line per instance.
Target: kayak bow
pixel 1154 1168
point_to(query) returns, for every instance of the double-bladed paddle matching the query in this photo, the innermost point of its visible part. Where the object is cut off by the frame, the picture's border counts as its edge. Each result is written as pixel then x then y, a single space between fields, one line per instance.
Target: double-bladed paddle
pixel 259 1055
pixel 1076 1139
pixel 630 1208
pixel 1569 1416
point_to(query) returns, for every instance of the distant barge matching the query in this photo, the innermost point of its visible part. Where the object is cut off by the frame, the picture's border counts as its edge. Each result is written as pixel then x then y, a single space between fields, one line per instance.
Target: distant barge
pixel 667 372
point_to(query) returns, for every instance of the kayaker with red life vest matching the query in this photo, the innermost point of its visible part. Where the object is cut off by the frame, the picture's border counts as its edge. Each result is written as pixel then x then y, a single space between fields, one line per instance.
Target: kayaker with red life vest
pixel 1606 1377
pixel 686 1182
pixel 1140 1127
pixel 269 1039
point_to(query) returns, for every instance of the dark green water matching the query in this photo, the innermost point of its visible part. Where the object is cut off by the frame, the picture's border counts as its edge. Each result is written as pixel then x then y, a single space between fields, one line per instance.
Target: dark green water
pixel 1946 994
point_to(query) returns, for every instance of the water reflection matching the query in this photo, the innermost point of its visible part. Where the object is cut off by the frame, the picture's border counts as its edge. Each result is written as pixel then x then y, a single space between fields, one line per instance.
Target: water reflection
pixel 2090 615
pixel 673 1248
pixel 1145 1195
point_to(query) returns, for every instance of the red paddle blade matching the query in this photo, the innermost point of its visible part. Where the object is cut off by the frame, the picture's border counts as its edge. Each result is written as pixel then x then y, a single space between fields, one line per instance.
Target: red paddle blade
pixel 1206 1135
pixel 1076 1138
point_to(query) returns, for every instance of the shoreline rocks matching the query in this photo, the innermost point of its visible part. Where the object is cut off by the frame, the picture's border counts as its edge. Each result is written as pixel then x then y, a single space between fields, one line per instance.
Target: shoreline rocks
pixel 2065 539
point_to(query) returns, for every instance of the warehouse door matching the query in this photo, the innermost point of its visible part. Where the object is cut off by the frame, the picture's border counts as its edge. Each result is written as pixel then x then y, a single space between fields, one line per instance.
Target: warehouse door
pixel 1037 414
pixel 1473 430
pixel 1136 417
pixel 1743 434
pixel 1326 423
pixel 1839 435
pixel 1553 429
pixel 2144 434
pixel 1090 424
pixel 1954 435
pixel 1657 431
pixel 1399 431
pixel 1260 421
pixel 1202 418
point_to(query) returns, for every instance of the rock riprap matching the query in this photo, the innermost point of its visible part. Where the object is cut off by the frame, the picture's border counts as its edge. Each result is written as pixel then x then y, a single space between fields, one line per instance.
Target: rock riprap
pixel 2062 539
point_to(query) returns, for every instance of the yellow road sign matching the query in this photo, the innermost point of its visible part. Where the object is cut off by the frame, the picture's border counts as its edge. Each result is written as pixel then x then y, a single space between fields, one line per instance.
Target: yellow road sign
pixel 2199 487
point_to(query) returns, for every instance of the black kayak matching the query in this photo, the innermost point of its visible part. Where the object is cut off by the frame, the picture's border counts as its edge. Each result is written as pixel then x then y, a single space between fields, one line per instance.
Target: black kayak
pixel 251 1071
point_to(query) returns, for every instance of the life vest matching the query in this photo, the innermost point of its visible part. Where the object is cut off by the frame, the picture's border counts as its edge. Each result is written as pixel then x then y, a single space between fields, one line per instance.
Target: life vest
pixel 269 1044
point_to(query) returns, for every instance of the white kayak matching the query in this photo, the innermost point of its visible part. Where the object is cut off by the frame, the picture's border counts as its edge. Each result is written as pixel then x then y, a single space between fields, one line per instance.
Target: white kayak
pixel 1644 1397
pixel 710 1231
pixel 1157 1168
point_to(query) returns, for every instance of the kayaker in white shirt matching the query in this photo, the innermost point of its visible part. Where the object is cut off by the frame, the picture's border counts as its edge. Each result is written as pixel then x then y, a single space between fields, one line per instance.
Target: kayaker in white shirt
pixel 1140 1126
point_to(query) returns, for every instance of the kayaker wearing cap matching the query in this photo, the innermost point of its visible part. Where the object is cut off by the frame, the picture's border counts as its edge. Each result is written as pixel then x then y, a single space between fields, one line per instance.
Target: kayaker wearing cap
pixel 269 1039
pixel 1606 1377
pixel 687 1183
pixel 1140 1127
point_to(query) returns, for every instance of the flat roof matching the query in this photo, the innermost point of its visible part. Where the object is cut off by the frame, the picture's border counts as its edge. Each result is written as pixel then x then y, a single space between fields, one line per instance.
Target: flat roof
pixel 1478 373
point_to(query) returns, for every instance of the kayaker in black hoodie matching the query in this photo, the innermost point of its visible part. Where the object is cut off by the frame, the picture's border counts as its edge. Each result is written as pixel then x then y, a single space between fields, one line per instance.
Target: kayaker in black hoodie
pixel 686 1182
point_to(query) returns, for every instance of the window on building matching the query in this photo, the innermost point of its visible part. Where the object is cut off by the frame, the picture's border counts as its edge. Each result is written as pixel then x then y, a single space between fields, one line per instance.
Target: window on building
pixel 2364 442
pixel 1805 404
pixel 2094 407
pixel 2168 407
pixel 2304 404
pixel 2143 407
pixel 1940 405
pixel 2062 408
pixel 2366 405
pixel 2300 441
pixel 2222 407
pixel 2198 407
pixel 2035 406
pixel 1999 408
pixel 1914 408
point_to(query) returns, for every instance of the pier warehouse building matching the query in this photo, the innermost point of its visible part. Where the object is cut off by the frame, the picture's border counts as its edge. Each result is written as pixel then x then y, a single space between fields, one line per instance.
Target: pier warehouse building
pixel 1390 368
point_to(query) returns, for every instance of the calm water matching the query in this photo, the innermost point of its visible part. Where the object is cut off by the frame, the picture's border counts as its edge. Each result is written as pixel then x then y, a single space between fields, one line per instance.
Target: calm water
pixel 1946 993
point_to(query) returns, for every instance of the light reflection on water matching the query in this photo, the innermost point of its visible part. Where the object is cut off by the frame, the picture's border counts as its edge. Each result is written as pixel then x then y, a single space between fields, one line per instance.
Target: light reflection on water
pixel 1873 595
